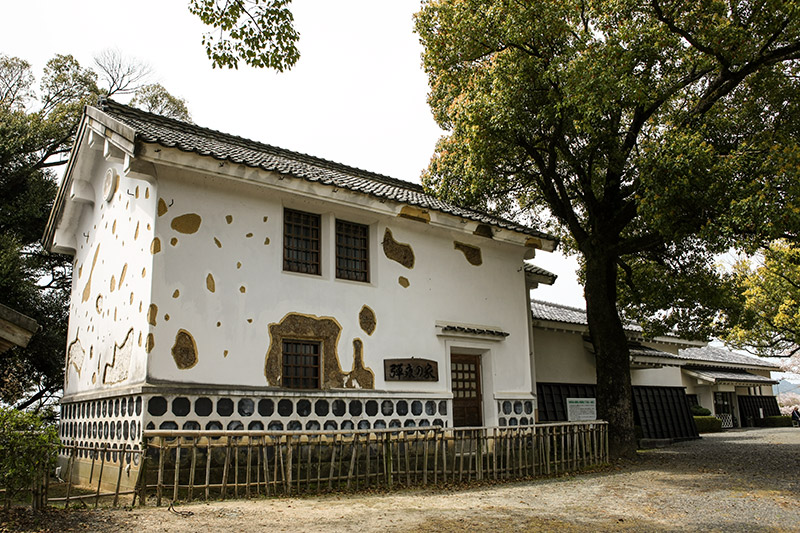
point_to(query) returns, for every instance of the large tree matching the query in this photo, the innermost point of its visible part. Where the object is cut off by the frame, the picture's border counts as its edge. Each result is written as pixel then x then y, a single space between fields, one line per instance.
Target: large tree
pixel 650 135
pixel 37 129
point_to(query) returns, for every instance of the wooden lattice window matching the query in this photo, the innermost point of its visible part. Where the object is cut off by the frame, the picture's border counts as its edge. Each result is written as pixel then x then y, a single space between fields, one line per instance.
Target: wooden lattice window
pixel 301 364
pixel 301 242
pixel 352 251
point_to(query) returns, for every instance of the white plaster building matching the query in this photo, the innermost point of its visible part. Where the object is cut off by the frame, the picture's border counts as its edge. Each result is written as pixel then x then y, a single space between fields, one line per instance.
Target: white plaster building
pixel 222 283
pixel 667 374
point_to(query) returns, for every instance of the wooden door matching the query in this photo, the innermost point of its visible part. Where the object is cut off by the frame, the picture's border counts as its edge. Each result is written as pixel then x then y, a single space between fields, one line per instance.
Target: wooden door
pixel 465 371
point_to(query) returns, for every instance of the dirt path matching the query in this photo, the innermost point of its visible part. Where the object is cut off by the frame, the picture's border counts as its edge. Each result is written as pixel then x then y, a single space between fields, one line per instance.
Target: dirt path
pixel 746 480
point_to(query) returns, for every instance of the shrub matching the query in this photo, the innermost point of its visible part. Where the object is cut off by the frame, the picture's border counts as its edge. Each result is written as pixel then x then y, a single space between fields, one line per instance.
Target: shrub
pixel 699 410
pixel 28 449
pixel 708 424
pixel 777 422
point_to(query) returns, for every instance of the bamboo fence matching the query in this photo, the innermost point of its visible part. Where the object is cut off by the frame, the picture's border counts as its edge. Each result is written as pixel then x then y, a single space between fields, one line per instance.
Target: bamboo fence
pixel 188 465
pixel 209 465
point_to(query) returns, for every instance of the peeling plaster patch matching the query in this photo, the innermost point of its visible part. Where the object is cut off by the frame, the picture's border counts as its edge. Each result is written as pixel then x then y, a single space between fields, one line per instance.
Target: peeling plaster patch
pixel 266 218
pixel 136 193
pixel 249 320
pixel 112 284
pixel 98 304
pixel 403 281
pixel 472 253
pixel 228 218
pixel 162 207
pixel 176 294
pixel 151 343
pixel 210 285
pixel 297 326
pixel 117 370
pixel 219 324
pixel 184 351
pixel 266 241
pixel 147 192
pixel 243 289
pixel 144 272
pixel 131 302
pixel 80 270
pixel 396 251
pixel 225 353
pixel 360 377
pixel 415 213
pixel 249 235
pixel 173 241
pixel 155 246
pixel 484 230
pixel 139 342
pixel 136 232
pixel 166 317
pixel 216 241
pixel 75 356
pixel 152 314
pixel 94 378
pixel 122 274
pixel 367 320
pixel 87 291
pixel 114 227
pixel 533 242
pixel 187 224
pixel 238 265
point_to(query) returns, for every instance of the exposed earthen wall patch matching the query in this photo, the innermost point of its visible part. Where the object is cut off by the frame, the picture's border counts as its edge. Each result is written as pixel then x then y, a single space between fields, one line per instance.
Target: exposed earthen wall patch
pixel 87 290
pixel 396 251
pixel 184 351
pixel 326 330
pixel 360 377
pixel 75 356
pixel 152 314
pixel 117 370
pixel 187 224
pixel 210 283
pixel 415 213
pixel 367 320
pixel 472 253
pixel 162 207
pixel 403 281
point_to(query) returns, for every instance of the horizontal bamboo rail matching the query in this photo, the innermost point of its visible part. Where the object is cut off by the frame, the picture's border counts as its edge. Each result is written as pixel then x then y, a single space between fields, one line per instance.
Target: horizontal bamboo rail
pixel 186 465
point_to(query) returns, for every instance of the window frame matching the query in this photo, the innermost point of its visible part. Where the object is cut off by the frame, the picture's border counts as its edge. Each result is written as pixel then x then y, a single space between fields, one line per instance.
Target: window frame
pixel 296 382
pixel 359 267
pixel 294 219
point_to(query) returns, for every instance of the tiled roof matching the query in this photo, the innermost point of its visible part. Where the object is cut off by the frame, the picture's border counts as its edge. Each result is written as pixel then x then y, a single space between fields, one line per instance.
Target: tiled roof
pixel 187 137
pixel 541 310
pixel 717 376
pixel 533 269
pixel 475 331
pixel 718 355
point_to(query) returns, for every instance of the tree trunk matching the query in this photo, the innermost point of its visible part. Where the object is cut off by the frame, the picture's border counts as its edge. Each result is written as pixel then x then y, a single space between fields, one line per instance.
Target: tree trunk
pixel 614 397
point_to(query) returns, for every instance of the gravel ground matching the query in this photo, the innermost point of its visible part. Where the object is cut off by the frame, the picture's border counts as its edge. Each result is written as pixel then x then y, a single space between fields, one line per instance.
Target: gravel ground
pixel 741 480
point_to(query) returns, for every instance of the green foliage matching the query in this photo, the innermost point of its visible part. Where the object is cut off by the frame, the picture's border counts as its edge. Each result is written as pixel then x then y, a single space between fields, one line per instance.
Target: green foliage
pixel 259 32
pixel 155 99
pixel 777 422
pixel 699 410
pixel 708 424
pixel 769 318
pixel 28 449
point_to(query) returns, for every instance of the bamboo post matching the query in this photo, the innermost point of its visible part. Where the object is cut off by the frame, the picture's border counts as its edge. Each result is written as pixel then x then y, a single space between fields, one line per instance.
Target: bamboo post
pixel 94 456
pixel 176 480
pixel 225 467
pixel 354 445
pixel 208 468
pixel 388 457
pixel 192 467
pixel 333 462
pixel 288 466
pixel 425 459
pixel 266 465
pixel 249 466
pixel 143 476
pixel 119 474
pixel 70 466
pixel 160 485
pixel 235 440
pixel 100 477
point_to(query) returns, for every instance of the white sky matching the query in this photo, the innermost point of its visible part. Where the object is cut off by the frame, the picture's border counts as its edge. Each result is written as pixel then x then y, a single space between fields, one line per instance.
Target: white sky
pixel 357 96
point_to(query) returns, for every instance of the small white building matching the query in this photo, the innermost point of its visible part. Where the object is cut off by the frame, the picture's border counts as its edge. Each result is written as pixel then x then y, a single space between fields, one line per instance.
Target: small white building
pixel 668 374
pixel 221 283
